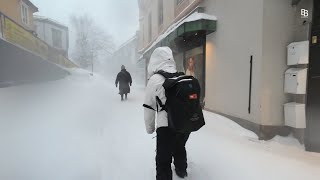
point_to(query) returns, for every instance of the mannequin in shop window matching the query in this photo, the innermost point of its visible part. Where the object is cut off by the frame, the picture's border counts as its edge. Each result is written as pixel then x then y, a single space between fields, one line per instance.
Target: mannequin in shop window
pixel 191 68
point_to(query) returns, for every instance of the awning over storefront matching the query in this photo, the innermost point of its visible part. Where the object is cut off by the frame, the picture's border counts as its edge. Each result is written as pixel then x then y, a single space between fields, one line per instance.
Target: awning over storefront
pixel 194 23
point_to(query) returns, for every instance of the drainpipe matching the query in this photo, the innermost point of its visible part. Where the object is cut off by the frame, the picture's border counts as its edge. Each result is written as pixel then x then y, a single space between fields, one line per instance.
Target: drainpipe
pixel 295 2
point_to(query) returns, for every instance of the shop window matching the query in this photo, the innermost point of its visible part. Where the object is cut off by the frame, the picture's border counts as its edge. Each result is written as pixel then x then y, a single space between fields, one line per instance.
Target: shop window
pixel 160 13
pixel 24 13
pixel 56 38
pixel 194 65
pixel 179 58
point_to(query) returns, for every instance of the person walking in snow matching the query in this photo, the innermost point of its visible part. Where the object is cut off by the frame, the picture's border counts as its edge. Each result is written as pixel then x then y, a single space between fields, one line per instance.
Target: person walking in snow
pixel 125 81
pixel 169 142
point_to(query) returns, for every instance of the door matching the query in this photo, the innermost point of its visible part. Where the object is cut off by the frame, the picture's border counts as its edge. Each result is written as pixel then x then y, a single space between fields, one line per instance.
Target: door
pixel 312 141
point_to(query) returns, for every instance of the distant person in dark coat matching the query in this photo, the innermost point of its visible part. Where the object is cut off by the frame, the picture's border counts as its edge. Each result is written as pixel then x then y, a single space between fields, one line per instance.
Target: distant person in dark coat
pixel 125 81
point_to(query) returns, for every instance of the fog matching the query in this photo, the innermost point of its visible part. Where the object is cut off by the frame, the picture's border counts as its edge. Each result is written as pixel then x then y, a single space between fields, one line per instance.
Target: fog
pixel 64 116
pixel 58 130
pixel 120 18
pixel 78 129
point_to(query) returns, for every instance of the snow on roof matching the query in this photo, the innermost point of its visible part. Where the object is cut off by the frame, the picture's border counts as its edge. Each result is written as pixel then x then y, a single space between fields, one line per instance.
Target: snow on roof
pixel 42 18
pixel 29 3
pixel 198 16
pixel 71 60
pixel 127 42
pixel 193 17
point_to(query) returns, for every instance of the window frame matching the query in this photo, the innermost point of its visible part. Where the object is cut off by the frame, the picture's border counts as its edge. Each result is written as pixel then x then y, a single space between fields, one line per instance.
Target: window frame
pixel 24 9
pixel 56 35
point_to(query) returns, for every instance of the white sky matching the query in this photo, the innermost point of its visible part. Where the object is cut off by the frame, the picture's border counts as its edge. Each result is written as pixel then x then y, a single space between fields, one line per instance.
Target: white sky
pixel 120 18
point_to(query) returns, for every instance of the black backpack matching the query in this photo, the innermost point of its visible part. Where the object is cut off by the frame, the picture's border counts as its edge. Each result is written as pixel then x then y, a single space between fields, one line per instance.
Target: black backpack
pixel 183 102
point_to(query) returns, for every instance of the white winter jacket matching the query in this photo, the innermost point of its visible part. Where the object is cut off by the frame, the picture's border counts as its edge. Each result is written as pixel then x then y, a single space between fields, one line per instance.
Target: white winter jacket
pixel 161 59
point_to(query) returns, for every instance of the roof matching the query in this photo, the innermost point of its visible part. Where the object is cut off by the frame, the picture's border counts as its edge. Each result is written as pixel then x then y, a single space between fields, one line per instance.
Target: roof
pixel 198 16
pixel 50 21
pixel 29 3
pixel 127 42
pixel 191 18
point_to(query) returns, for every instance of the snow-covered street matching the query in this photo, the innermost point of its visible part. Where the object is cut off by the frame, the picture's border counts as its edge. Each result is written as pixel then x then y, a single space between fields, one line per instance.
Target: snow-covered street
pixel 78 129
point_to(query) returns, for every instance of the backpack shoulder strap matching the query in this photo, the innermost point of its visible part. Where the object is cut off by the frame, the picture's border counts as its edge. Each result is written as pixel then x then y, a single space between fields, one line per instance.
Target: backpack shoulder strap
pixel 148 107
pixel 162 106
pixel 169 75
pixel 164 74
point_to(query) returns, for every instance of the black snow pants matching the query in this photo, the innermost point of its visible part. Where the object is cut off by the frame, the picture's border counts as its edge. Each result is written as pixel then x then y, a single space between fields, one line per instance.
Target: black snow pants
pixel 125 95
pixel 170 145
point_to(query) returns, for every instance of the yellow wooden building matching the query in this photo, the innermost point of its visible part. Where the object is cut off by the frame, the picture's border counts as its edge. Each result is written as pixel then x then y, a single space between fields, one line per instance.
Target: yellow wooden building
pixel 20 11
pixel 17 27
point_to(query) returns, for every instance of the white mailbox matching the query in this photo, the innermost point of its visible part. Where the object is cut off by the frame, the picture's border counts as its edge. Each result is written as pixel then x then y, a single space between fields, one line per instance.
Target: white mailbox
pixel 298 53
pixel 296 81
pixel 295 115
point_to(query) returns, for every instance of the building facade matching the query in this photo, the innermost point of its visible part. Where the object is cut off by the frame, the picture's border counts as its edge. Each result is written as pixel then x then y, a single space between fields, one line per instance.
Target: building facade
pixel 238 51
pixel 56 36
pixel 20 11
pixel 24 57
pixel 17 26
pixel 53 33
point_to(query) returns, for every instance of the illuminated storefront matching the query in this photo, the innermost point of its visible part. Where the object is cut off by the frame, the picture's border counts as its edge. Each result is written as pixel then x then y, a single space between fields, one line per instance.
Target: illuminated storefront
pixel 187 39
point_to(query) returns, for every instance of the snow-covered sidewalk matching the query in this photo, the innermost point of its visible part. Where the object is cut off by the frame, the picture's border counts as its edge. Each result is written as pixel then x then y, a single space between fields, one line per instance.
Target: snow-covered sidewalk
pixel 77 129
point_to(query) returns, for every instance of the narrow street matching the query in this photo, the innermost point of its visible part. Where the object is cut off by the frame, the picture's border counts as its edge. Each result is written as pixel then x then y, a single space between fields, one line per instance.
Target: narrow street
pixel 77 129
